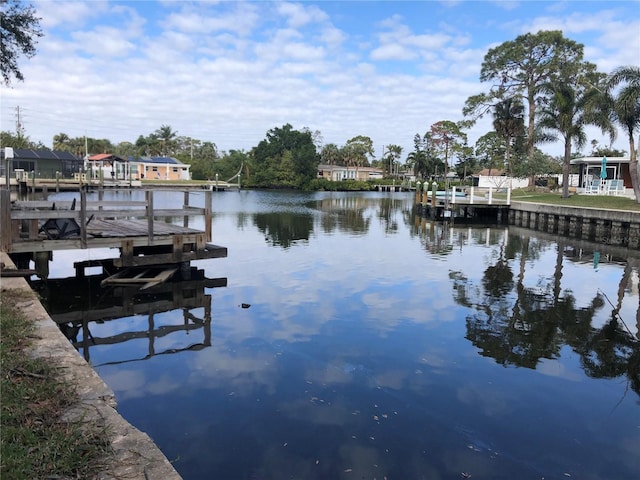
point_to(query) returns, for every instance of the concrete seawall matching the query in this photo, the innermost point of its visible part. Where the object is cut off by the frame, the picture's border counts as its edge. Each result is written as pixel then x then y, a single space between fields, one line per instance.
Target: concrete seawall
pixel 135 455
pixel 613 227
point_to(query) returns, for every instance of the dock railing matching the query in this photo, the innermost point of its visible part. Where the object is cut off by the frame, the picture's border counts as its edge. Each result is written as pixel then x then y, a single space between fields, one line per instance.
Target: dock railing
pixel 21 221
pixel 472 196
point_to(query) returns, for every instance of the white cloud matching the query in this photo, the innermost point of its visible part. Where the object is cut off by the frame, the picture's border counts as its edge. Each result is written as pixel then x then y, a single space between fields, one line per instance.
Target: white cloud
pixel 228 72
pixel 299 15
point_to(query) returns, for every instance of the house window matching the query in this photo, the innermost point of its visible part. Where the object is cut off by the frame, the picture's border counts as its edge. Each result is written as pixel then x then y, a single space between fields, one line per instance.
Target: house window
pixel 175 169
pixel 155 169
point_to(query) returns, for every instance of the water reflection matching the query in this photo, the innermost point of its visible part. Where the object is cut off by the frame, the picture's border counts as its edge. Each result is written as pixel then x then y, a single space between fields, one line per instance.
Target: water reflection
pixel 379 343
pixel 84 310
pixel 523 325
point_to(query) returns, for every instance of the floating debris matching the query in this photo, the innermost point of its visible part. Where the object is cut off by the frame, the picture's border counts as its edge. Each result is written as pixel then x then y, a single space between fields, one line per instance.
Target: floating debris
pixel 245 305
pixel 465 475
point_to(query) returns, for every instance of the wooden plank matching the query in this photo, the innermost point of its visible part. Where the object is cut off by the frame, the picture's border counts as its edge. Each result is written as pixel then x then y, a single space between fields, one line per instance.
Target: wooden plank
pixel 5 220
pixel 178 247
pixel 119 213
pixel 126 252
pixel 32 234
pixel 211 251
pixel 132 277
pixel 160 278
pixel 13 272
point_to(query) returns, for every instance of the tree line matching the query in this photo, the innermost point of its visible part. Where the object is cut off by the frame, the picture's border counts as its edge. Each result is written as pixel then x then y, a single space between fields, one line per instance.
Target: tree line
pixel 540 90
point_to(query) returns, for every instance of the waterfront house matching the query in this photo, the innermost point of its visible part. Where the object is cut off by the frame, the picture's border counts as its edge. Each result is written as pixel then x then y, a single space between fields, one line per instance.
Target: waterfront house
pixel 161 168
pixel 107 166
pixel 497 179
pixel 615 180
pixel 41 163
pixel 336 173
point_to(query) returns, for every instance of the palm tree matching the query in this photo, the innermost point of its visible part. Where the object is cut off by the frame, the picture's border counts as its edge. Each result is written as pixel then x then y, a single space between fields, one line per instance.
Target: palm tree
pixel 331 155
pixel 420 163
pixel 60 141
pixel 508 122
pixel 392 156
pixel 570 109
pixel 626 112
pixel 166 136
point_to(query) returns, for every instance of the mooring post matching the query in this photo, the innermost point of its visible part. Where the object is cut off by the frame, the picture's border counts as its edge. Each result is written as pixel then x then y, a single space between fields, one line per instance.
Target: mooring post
pixel 185 219
pixel 434 188
pixel 5 220
pixel 490 195
pixel 149 195
pixel 42 264
pixel 57 181
pixel 83 218
pixel 207 215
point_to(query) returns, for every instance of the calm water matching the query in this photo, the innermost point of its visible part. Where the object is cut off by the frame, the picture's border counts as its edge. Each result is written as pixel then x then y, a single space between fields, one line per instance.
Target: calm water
pixel 347 339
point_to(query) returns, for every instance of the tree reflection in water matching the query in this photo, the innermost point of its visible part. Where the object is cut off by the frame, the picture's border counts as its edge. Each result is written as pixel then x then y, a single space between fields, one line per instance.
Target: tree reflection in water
pixel 520 327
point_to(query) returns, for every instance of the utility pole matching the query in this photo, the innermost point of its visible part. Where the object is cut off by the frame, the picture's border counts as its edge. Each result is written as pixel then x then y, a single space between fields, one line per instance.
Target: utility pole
pixel 19 128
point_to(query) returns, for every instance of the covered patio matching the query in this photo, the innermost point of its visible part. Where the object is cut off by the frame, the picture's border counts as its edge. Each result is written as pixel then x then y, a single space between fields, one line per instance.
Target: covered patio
pixel 603 175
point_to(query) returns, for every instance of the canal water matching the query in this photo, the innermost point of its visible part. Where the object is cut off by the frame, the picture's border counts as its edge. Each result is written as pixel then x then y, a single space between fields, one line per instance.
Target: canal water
pixel 345 337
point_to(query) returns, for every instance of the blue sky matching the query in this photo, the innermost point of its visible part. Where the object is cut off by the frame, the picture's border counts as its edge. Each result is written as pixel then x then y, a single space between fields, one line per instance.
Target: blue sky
pixel 227 72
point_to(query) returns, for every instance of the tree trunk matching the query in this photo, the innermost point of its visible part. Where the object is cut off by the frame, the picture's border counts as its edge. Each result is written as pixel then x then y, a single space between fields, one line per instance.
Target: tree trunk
pixel 565 168
pixel 531 127
pixel 633 168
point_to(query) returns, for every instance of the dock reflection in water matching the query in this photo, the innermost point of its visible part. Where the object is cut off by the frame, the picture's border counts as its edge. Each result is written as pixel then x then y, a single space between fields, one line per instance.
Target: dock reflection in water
pixel 91 316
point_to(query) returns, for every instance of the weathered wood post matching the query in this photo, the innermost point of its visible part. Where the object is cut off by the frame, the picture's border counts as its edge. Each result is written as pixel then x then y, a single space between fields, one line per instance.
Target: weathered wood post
pixel 5 220
pixel 207 215
pixel 83 218
pixel 57 181
pixel 185 219
pixel 149 198
pixel 42 264
pixel 434 190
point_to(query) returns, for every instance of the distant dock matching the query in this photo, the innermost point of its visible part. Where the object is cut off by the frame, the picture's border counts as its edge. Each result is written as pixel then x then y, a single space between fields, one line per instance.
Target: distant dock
pixel 461 205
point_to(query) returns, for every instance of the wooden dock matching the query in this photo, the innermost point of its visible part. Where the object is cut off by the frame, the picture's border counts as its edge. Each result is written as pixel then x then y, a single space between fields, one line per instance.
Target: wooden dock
pixel 468 207
pixel 33 229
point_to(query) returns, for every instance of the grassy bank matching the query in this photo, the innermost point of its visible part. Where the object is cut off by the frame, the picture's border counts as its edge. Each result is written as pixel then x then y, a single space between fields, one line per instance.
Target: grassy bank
pixel 35 443
pixel 604 202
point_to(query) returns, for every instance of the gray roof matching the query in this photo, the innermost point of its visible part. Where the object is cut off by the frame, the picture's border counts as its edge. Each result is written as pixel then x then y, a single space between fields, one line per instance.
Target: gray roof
pixel 42 154
pixel 159 160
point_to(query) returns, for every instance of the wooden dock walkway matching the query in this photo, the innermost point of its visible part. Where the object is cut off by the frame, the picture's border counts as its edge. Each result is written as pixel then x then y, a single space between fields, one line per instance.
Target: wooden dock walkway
pixel 33 229
pixel 455 204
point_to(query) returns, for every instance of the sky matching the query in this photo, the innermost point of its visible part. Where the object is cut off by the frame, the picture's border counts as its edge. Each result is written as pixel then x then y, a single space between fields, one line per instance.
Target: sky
pixel 228 72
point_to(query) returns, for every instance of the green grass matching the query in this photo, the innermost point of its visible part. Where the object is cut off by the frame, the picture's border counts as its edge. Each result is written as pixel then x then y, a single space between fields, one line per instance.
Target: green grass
pixel 605 202
pixel 34 442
